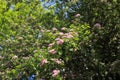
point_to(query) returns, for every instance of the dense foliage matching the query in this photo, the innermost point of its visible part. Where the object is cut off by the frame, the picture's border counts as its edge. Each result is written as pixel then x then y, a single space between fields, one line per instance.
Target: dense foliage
pixel 71 40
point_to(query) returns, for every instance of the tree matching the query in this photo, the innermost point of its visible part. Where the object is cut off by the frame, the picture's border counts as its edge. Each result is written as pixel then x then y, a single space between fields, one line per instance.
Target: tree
pixel 40 42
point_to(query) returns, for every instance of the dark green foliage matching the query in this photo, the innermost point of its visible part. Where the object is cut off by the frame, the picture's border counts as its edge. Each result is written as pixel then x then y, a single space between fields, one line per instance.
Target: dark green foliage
pixel 105 41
